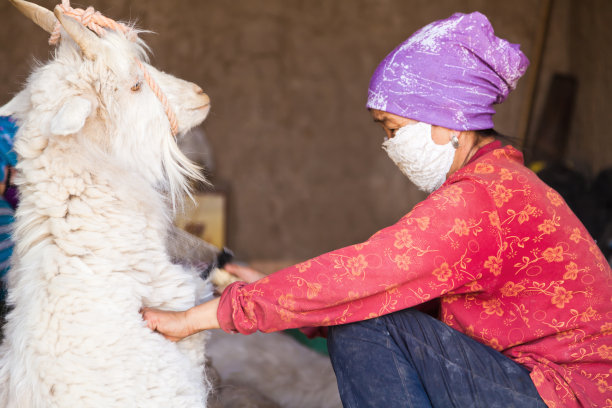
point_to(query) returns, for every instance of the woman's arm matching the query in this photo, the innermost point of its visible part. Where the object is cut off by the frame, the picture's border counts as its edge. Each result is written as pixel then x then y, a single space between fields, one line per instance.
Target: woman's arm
pixel 442 245
pixel 176 326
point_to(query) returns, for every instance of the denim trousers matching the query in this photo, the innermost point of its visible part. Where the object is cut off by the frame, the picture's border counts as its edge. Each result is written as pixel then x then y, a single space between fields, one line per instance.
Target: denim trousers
pixel 410 359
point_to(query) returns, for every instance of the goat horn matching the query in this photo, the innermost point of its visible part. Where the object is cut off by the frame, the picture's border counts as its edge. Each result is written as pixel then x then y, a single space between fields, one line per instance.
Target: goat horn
pixel 41 16
pixel 86 39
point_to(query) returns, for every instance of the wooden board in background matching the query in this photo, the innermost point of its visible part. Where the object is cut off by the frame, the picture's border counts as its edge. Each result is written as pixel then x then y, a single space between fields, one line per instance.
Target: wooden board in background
pixel 207 218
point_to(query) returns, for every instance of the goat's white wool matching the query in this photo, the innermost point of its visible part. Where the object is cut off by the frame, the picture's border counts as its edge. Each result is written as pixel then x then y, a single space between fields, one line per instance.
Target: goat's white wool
pixel 90 237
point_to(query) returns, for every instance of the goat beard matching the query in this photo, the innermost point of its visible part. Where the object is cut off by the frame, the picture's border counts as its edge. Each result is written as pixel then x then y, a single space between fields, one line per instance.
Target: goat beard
pixel 181 173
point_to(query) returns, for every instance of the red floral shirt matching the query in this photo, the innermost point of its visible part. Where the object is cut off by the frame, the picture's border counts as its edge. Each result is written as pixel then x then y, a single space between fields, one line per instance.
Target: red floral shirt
pixel 512 265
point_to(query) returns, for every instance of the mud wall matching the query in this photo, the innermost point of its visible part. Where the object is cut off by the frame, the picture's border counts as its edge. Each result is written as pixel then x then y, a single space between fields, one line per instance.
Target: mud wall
pixel 294 146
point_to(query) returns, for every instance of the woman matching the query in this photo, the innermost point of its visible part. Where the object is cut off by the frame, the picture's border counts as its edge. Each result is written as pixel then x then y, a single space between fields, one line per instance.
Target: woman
pixel 523 291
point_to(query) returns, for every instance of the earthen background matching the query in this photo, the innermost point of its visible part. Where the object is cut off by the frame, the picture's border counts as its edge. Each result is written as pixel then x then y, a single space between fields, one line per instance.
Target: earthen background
pixel 293 143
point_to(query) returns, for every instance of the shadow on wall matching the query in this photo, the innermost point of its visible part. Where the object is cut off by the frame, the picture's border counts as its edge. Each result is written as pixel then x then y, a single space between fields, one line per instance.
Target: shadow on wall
pixel 590 199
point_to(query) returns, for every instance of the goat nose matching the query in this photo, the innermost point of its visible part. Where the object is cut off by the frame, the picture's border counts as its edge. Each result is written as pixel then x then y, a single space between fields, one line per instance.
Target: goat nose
pixel 198 90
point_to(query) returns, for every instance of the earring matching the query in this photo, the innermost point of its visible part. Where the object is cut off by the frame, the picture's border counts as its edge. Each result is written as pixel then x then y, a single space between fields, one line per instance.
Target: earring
pixel 454 141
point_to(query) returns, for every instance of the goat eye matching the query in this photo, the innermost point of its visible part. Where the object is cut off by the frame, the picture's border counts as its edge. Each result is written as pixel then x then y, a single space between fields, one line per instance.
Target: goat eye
pixel 136 86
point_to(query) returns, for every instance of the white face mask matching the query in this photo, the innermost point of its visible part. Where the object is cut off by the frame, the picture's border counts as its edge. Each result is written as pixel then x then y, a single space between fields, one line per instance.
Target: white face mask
pixel 421 160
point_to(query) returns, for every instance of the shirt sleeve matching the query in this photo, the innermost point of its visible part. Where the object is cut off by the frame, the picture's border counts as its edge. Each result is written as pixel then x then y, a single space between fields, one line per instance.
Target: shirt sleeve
pixel 439 247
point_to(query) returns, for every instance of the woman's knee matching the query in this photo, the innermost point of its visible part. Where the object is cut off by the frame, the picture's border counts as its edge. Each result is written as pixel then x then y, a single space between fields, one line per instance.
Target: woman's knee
pixel 348 332
pixel 367 329
pixel 356 336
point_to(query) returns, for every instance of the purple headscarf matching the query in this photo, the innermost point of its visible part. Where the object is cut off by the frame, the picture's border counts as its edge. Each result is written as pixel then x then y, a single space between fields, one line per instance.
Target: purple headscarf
pixel 449 73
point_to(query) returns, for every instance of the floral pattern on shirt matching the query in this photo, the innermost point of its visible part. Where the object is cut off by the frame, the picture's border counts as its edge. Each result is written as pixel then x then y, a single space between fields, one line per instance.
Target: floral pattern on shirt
pixel 513 267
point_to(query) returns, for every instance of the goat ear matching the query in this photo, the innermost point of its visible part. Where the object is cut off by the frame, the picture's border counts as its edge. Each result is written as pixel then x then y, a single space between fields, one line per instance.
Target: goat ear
pixel 71 116
pixel 19 103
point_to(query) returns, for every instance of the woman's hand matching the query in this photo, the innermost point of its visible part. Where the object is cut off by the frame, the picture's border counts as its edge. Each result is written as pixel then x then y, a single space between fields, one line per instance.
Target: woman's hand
pixel 176 326
pixel 173 325
pixel 244 273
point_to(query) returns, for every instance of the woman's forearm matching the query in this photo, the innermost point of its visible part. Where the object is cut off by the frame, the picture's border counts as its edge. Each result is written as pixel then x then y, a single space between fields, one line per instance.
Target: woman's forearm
pixel 203 316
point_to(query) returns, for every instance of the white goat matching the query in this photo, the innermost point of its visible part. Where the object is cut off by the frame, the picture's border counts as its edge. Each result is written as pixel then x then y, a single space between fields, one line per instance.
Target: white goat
pixel 97 164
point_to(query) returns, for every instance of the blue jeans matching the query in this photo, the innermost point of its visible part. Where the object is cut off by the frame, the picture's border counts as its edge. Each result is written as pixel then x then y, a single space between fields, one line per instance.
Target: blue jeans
pixel 410 359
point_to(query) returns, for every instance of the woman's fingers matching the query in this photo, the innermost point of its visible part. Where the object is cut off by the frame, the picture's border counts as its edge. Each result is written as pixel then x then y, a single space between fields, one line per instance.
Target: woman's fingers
pixel 243 272
pixel 150 317
pixel 171 325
